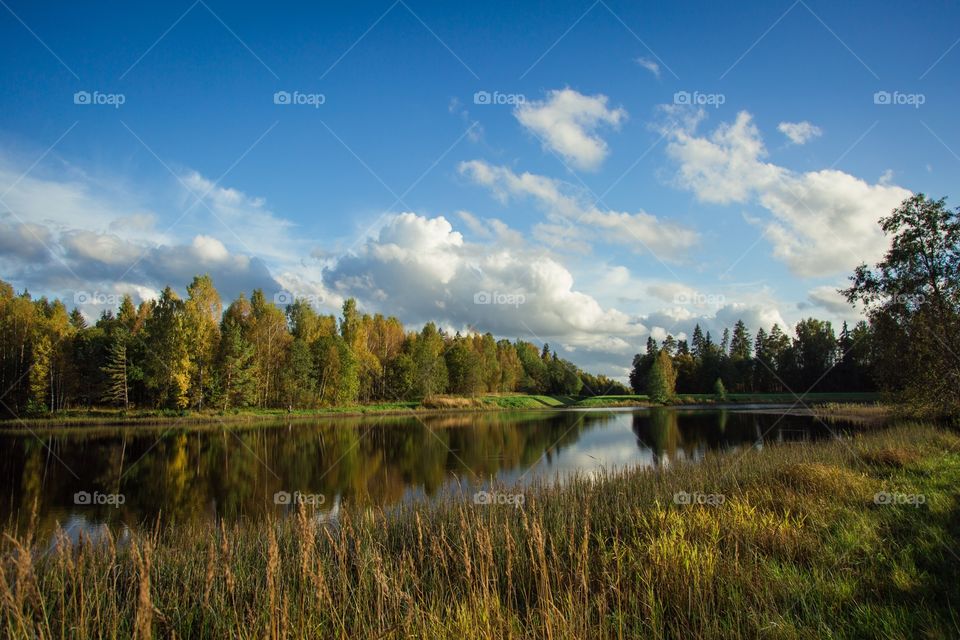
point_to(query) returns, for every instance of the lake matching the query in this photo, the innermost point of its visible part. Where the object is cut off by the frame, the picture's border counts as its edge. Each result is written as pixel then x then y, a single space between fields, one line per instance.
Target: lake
pixel 87 477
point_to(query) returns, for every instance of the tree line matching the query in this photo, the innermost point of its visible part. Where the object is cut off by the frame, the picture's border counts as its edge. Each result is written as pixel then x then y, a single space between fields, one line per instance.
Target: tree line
pixel 179 353
pixel 814 358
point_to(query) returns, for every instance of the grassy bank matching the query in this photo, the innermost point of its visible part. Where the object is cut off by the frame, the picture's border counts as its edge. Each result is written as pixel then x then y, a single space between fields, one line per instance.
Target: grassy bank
pixel 492 402
pixel 798 548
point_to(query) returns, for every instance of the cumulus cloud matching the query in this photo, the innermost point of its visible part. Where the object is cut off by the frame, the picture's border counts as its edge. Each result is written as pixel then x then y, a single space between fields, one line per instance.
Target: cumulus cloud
pixel 572 218
pixel 799 132
pixel 422 269
pixel 823 222
pixel 567 122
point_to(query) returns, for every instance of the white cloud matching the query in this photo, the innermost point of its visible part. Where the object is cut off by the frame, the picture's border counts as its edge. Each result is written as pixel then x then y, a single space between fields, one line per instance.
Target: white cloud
pixel 566 123
pixel 422 269
pixel 650 66
pixel 824 222
pixel 799 132
pixel 573 219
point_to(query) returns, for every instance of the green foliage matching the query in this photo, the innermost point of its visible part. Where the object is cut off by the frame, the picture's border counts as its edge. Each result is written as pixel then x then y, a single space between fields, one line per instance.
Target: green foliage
pixel 168 352
pixel 118 379
pixel 235 383
pixel 661 380
pixel 912 299
pixel 464 376
pixel 719 390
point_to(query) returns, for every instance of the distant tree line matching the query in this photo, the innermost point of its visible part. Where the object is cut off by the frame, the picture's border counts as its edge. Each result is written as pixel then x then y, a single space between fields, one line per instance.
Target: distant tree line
pixel 814 358
pixel 175 353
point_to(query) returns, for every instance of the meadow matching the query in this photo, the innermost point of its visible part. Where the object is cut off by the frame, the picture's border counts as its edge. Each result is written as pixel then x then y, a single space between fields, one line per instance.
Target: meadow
pixel 846 538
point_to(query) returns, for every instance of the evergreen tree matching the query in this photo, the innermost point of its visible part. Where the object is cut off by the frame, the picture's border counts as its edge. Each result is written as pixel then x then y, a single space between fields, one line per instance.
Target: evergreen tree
pixel 117 391
pixel 642 365
pixel 740 369
pixel 235 383
pixel 168 352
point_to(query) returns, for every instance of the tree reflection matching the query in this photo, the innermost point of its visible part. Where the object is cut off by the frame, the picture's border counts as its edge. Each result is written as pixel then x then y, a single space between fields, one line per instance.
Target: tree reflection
pixel 234 472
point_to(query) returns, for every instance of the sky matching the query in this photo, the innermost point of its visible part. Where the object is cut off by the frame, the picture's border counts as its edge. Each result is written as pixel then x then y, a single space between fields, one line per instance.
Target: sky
pixel 583 174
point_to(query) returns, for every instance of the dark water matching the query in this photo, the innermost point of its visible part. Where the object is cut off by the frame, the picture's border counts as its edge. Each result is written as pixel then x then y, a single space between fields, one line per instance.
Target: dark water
pixel 85 478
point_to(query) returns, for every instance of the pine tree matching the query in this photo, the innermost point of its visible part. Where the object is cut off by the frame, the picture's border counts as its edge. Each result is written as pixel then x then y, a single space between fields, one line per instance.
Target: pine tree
pixel 116 372
pixel 642 365
pixel 235 384
pixel 740 343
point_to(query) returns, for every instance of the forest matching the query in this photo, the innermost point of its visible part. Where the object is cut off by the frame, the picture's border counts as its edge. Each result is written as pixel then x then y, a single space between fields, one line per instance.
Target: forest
pixel 813 359
pixel 179 353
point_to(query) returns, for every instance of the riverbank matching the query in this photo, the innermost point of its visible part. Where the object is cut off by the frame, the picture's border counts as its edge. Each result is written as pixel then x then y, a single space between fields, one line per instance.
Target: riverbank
pixel 436 405
pixel 851 538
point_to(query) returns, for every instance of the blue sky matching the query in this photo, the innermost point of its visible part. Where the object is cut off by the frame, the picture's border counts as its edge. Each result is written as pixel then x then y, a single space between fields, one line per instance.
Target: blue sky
pixel 600 210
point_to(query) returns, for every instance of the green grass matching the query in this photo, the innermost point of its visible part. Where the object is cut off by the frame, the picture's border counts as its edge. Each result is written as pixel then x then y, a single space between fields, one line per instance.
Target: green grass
pixel 522 401
pixel 790 398
pixel 798 549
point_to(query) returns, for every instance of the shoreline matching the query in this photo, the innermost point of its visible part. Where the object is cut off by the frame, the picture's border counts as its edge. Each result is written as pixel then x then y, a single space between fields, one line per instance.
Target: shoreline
pixel 829 405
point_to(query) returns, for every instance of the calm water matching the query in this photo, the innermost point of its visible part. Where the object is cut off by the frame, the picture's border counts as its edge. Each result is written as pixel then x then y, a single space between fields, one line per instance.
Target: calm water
pixel 136 473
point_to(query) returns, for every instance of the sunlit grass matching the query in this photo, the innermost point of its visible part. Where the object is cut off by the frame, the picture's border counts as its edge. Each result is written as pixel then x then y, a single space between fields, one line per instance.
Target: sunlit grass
pixel 797 548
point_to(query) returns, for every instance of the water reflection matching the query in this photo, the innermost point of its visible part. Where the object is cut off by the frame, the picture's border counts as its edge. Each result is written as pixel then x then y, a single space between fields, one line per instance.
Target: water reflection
pixel 234 473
